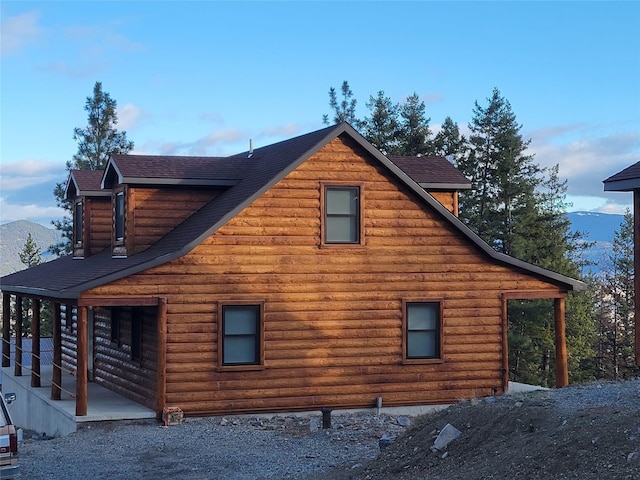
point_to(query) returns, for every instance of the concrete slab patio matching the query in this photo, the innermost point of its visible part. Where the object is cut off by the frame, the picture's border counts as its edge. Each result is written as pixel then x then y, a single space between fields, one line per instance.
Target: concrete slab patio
pixel 34 409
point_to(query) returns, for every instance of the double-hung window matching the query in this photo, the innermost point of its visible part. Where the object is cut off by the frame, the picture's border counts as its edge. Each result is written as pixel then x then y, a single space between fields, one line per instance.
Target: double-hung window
pixel 240 336
pixel 422 331
pixel 342 220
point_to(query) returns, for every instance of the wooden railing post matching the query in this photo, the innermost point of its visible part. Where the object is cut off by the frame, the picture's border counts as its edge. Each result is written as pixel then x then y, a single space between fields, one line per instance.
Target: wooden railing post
pixel 81 364
pixel 6 329
pixel 562 369
pixel 35 343
pixel 19 322
pixel 56 376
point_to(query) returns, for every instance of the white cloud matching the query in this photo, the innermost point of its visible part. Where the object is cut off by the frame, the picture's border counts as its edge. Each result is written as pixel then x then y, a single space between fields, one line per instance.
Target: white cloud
pixel 28 173
pixel 586 155
pixel 10 212
pixel 129 116
pixel 17 32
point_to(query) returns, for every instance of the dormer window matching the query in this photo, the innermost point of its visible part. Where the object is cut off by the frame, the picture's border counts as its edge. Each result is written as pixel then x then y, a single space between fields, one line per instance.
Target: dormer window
pixel 119 217
pixel 78 223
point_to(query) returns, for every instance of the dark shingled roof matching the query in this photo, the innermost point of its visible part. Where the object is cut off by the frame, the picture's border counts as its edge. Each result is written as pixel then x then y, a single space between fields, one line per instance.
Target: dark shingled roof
pixel 625 180
pixel 85 183
pixel 67 278
pixel 432 172
pixel 151 168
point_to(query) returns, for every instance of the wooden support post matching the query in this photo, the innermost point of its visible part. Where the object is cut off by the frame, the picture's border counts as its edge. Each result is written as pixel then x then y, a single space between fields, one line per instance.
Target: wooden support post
pixel 81 364
pixel 56 376
pixel 6 329
pixel 17 371
pixel 35 343
pixel 505 345
pixel 562 369
pixel 161 381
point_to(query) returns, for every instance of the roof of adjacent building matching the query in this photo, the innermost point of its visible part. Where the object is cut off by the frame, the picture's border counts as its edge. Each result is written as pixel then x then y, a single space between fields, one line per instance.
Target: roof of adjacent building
pixel 432 172
pixel 68 277
pixel 625 180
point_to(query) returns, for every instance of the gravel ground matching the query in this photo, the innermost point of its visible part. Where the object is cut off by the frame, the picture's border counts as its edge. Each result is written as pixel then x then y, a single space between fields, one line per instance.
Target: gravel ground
pixel 233 448
pixel 593 425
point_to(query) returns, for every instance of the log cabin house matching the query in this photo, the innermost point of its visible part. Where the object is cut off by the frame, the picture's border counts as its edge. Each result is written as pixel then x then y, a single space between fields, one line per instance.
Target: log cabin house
pixel 628 180
pixel 315 272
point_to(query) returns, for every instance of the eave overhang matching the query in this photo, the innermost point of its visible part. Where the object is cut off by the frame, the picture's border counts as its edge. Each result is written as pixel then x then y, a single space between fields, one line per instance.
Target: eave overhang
pixel 445 186
pixel 627 185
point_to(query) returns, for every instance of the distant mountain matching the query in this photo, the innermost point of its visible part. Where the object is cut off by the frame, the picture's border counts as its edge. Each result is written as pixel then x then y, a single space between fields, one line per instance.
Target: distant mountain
pixel 600 229
pixel 14 235
pixel 597 226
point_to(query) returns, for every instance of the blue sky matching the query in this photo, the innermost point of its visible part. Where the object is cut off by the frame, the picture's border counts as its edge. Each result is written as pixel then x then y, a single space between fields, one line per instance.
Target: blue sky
pixel 203 77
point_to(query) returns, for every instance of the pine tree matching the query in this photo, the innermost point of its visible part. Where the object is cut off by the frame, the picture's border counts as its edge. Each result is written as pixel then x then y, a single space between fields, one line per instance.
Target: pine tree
pixel 618 319
pixel 503 177
pixel 31 255
pixel 96 143
pixel 415 136
pixel 381 128
pixel 448 142
pixel 345 111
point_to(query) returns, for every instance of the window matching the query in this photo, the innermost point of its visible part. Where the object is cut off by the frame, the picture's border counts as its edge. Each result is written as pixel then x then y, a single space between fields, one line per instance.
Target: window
pixel 341 212
pixel 422 325
pixel 119 216
pixel 115 325
pixel 136 333
pixel 240 332
pixel 78 224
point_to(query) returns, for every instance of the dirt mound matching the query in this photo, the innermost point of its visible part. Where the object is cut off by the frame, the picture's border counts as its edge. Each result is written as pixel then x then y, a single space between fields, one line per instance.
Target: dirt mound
pixel 580 432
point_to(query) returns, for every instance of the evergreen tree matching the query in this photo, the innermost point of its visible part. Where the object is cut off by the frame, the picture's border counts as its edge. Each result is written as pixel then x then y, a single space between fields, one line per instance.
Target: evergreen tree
pixel 414 128
pixel 381 128
pixel 345 110
pixel 520 209
pixel 96 143
pixel 31 255
pixel 618 319
pixel 448 142
pixel 503 177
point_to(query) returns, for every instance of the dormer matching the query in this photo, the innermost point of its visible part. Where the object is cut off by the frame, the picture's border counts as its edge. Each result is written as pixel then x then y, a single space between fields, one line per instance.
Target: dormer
pixel 437 176
pixel 152 194
pixel 91 212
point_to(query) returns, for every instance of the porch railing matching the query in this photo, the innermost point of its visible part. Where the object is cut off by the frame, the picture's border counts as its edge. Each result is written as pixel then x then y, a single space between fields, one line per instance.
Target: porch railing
pixel 22 356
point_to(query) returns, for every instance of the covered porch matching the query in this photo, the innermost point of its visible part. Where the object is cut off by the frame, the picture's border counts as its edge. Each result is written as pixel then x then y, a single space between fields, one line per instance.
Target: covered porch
pixel 35 410
pixel 54 398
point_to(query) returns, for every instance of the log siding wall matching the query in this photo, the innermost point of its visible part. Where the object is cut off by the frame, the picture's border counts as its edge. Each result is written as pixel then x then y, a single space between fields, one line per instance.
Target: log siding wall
pixel 99 233
pixel 332 317
pixel 157 211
